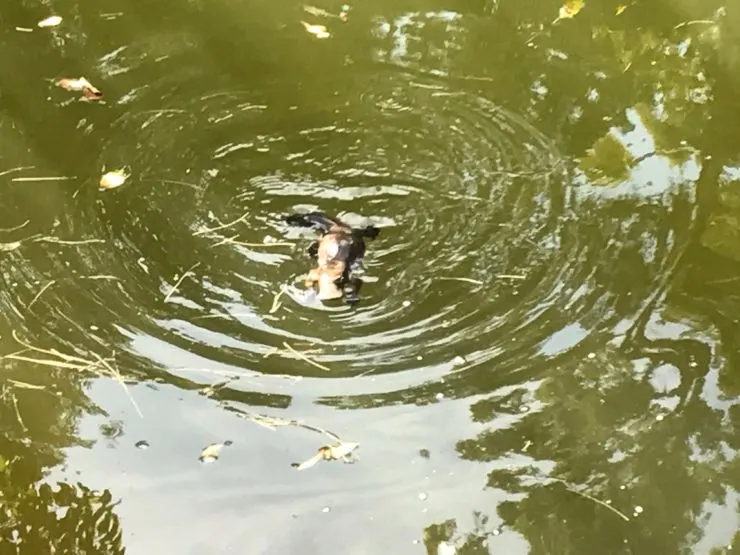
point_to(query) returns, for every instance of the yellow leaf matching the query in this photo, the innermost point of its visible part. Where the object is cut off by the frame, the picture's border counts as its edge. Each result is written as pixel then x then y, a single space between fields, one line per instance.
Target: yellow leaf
pixel 571 9
pixel 51 21
pixel 319 31
pixel 113 179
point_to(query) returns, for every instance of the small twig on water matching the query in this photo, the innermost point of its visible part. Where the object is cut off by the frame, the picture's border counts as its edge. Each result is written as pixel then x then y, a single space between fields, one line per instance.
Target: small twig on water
pixel 591 498
pixel 117 375
pixel 102 276
pixel 510 276
pixel 225 240
pixel 44 288
pixel 467 280
pixel 223 226
pixel 276 304
pixel 18 413
pixel 13 170
pixel 53 281
pixel 16 228
pixel 73 363
pixel 305 358
pixel 25 385
pixel 57 240
pixel 179 281
pixel 46 178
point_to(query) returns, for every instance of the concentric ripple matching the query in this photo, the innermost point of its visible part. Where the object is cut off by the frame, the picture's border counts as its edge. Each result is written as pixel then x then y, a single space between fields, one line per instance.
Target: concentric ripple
pixel 469 196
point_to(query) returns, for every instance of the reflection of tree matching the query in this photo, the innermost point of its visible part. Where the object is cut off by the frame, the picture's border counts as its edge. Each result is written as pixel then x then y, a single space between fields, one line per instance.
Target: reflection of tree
pixel 438 536
pixel 65 519
pixel 605 424
pixel 651 424
pixel 39 410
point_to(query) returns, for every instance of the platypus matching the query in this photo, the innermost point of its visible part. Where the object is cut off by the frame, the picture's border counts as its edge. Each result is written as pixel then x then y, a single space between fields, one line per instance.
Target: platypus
pixel 338 252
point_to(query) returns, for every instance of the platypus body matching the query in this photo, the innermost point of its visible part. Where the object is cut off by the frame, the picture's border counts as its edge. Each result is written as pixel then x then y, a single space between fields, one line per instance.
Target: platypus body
pixel 338 252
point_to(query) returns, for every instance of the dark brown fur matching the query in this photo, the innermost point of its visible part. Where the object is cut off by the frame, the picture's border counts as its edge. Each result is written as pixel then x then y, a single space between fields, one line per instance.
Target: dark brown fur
pixel 337 252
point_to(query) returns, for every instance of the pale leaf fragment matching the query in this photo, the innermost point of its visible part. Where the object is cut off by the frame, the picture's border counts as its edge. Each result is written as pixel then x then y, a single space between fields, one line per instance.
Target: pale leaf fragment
pixel 80 84
pixel 51 21
pixel 342 451
pixel 211 452
pixel 319 31
pixel 10 246
pixel 113 179
pixel 570 9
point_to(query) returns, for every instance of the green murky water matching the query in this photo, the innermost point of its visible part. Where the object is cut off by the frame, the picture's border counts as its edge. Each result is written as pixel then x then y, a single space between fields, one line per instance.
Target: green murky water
pixel 544 358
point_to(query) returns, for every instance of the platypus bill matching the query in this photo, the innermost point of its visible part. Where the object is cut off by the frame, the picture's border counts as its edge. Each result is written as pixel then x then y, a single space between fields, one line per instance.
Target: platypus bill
pixel 338 252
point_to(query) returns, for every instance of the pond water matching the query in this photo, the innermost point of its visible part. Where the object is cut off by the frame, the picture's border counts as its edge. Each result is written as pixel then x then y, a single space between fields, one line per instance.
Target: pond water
pixel 543 357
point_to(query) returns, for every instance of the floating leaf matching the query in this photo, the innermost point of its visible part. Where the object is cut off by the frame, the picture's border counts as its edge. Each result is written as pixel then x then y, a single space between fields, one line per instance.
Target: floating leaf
pixel 51 21
pixel 570 9
pixel 319 31
pixel 342 451
pixel 10 246
pixel 114 179
pixel 211 452
pixel 82 85
pixel 621 9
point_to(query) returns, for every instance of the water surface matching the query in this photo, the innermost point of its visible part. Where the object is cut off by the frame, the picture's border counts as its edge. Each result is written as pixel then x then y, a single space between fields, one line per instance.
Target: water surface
pixel 542 360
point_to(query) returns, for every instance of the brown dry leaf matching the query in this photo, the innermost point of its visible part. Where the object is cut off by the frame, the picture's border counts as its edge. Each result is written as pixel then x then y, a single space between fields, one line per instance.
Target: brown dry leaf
pixel 570 9
pixel 342 451
pixel 82 85
pixel 319 31
pixel 114 179
pixel 51 21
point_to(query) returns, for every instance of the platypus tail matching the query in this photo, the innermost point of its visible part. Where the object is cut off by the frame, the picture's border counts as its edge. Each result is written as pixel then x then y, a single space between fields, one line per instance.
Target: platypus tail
pixel 320 221
pixel 316 220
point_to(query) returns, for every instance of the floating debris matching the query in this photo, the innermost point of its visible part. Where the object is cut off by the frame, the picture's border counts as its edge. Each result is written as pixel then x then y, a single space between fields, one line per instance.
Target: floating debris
pixel 114 179
pixel 187 273
pixel 342 451
pixel 51 21
pixel 44 178
pixel 82 85
pixel 211 452
pixel 319 31
pixel 570 9
pixel 276 304
pixel 10 246
pixel 143 444
pixel 344 13
pixel 318 12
